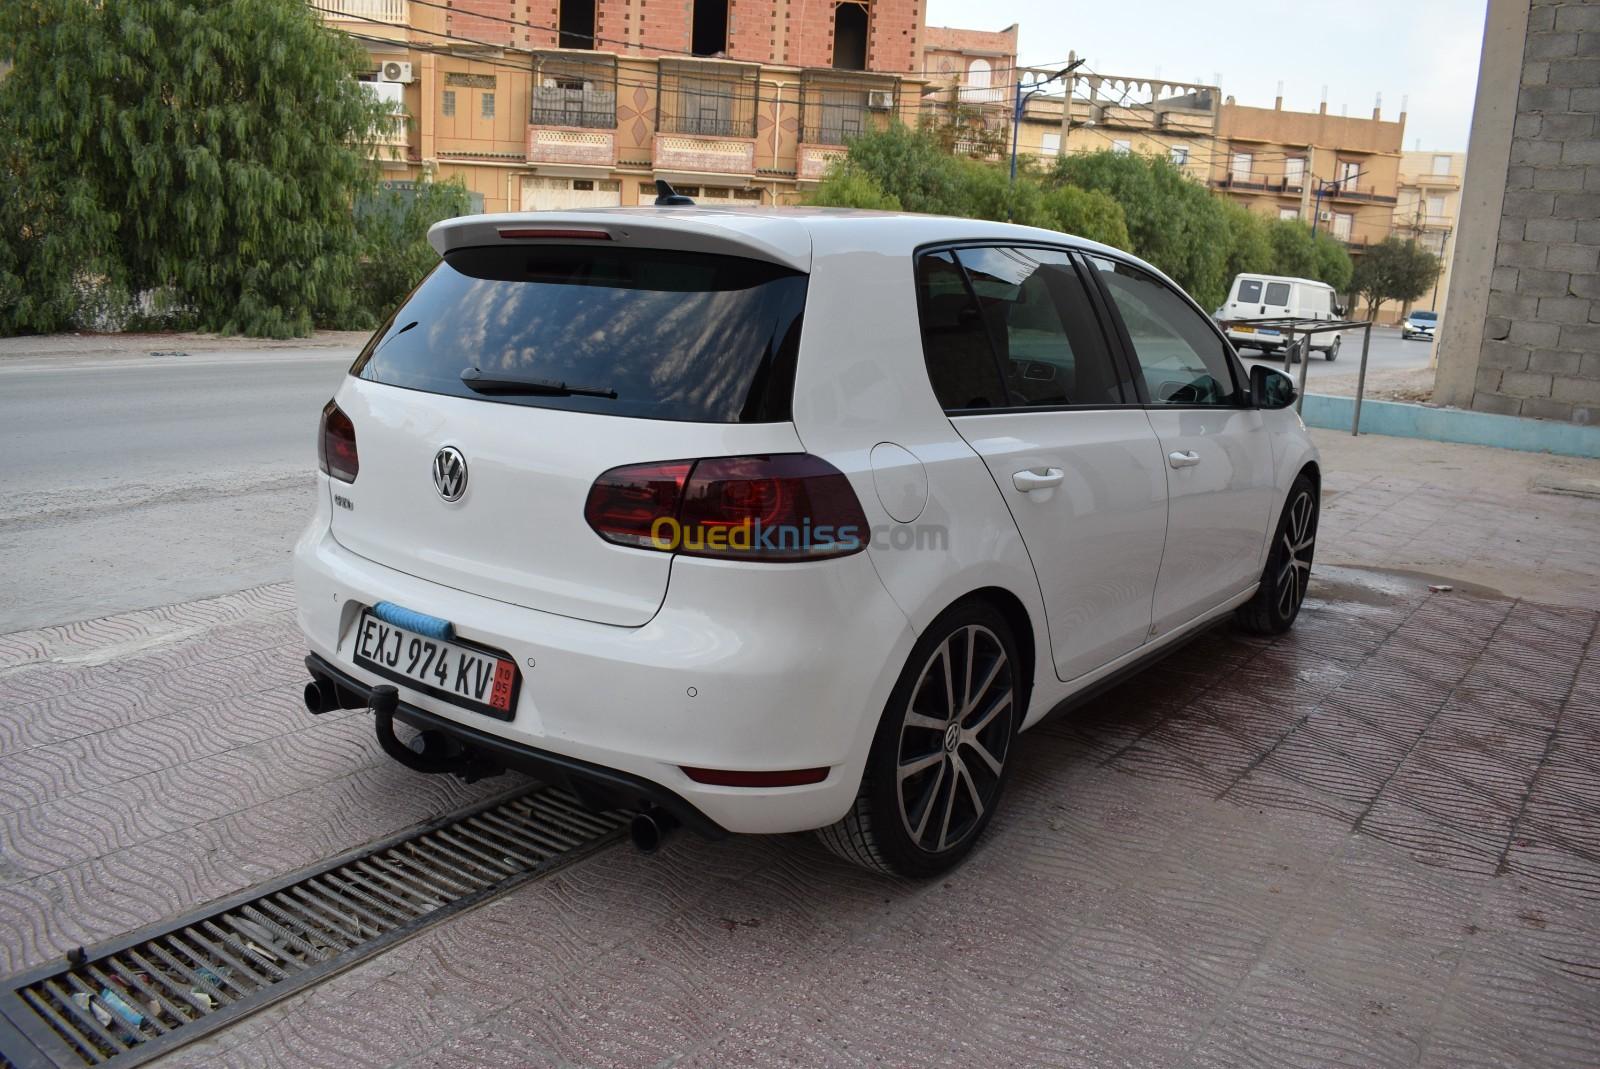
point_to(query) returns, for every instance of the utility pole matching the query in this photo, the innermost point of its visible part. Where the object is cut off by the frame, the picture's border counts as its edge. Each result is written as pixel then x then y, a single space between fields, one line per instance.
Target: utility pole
pixel 1066 104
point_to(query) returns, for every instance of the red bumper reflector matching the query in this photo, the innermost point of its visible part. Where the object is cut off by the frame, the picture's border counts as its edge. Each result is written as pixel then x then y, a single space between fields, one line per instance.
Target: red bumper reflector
pixel 792 777
pixel 549 232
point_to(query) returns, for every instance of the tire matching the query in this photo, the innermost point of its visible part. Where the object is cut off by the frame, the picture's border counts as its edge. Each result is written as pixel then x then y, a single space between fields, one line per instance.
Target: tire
pixel 922 822
pixel 1283 582
pixel 1332 351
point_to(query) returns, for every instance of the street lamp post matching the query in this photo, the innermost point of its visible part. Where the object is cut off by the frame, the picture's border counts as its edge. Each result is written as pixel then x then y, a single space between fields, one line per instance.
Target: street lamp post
pixel 1019 100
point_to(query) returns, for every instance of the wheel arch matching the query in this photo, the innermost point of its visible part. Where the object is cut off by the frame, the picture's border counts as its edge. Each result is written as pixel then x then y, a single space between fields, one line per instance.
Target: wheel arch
pixel 1016 616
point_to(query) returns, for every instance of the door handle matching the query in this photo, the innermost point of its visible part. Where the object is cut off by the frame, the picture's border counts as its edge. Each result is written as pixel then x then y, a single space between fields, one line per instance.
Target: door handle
pixel 1028 480
pixel 1186 459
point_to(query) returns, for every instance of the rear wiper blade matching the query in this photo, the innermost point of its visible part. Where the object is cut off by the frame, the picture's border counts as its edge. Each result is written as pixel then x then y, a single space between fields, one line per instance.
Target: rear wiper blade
pixel 492 382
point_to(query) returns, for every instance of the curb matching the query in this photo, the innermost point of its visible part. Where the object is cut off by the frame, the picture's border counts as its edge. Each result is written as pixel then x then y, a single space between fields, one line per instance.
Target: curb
pixel 1400 420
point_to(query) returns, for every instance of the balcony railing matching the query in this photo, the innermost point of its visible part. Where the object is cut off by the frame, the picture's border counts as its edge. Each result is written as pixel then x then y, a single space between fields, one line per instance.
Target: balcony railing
pixel 835 107
pixel 1259 182
pixel 391 11
pixel 708 99
pixel 574 90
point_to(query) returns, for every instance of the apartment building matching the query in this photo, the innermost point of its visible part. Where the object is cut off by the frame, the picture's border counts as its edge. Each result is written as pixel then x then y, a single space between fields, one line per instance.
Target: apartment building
pixel 588 102
pixel 1427 206
pixel 1341 174
pixel 1118 113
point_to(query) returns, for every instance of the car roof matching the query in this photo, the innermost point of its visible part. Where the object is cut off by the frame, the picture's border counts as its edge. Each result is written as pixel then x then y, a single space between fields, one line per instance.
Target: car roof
pixel 787 235
pixel 1280 278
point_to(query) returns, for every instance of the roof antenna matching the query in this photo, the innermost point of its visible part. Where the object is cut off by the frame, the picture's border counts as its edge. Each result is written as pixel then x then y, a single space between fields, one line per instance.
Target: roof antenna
pixel 666 196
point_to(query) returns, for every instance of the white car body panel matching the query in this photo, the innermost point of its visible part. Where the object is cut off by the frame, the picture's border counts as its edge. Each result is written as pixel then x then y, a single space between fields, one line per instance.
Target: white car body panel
pixel 648 662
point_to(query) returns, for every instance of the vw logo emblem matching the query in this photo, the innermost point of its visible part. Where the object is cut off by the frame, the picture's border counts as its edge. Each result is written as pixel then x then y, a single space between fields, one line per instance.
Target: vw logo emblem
pixel 450 473
pixel 952 735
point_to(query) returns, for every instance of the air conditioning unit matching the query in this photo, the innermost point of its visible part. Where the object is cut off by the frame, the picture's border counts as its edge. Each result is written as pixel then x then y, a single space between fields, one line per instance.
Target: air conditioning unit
pixel 880 100
pixel 1325 217
pixel 395 71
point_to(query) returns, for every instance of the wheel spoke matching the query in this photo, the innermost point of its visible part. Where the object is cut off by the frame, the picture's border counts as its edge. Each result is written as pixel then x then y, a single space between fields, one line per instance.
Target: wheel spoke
pixel 1001 703
pixel 928 723
pixel 962 773
pixel 949 684
pixel 983 752
pixel 918 764
pixel 988 681
pixel 967 696
pixel 926 803
pixel 949 806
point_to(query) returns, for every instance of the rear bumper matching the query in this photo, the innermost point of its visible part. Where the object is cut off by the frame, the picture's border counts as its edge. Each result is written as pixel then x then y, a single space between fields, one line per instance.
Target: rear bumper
pixel 617 789
pixel 1254 338
pixel 743 668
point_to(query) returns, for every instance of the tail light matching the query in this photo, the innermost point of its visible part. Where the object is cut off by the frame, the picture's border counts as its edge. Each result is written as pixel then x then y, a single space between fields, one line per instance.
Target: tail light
pixel 784 507
pixel 336 445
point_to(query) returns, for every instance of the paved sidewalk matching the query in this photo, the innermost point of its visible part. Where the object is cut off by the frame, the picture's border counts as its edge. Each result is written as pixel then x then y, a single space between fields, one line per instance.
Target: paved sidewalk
pixel 1370 843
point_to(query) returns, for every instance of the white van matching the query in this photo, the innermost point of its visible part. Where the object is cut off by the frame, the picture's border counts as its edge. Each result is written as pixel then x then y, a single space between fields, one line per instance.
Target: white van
pixel 1274 297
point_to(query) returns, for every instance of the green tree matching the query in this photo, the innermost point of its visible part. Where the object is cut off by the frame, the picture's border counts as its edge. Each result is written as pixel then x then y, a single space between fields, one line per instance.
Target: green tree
pixel 393 227
pixel 1173 221
pixel 1250 248
pixel 204 149
pixel 849 186
pixel 1334 265
pixel 1087 213
pixel 1394 270
pixel 908 165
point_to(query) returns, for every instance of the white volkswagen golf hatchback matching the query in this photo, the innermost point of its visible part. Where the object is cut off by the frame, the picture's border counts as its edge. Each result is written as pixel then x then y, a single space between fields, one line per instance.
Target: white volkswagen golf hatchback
pixel 764 521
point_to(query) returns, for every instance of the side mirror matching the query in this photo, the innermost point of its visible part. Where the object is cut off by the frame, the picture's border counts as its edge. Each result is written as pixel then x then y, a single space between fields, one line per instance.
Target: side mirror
pixel 1269 388
pixel 1339 310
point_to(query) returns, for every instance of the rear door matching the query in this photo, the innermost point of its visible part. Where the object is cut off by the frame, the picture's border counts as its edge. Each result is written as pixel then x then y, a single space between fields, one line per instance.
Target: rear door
pixel 643 355
pixel 1019 360
pixel 1218 460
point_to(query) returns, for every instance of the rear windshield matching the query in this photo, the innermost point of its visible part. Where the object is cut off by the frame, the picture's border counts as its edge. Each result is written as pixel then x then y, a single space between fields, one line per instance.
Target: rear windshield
pixel 674 335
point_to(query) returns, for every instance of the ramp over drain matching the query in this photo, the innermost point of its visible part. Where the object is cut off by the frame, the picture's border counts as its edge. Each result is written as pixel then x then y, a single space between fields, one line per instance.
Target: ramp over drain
pixel 139 996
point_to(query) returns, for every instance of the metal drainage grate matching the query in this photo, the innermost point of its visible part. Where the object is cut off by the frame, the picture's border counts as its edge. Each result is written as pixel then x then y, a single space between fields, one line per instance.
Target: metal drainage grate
pixel 142 995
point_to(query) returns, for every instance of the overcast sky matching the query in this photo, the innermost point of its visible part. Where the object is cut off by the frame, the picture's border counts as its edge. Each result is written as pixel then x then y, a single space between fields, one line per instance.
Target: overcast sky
pixel 1424 49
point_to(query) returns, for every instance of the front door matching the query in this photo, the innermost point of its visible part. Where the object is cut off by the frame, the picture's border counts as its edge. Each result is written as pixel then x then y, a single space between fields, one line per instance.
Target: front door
pixel 1217 455
pixel 1019 360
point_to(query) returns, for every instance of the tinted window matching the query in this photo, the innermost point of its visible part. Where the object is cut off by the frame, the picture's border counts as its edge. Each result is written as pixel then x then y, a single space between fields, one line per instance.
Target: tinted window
pixel 1249 290
pixel 1182 359
pixel 1277 293
pixel 677 335
pixel 955 342
pixel 1044 332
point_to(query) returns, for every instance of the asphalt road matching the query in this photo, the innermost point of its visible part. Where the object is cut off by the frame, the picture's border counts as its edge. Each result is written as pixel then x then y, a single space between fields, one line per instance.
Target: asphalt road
pixel 1389 353
pixel 131 482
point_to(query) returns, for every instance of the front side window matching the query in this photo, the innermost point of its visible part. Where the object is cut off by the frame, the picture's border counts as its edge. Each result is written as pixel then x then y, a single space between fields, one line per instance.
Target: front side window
pixel 1182 359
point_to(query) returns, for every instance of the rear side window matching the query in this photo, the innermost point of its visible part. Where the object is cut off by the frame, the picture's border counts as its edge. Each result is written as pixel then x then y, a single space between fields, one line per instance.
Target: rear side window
pixel 1249 290
pixel 1049 345
pixel 673 335
pixel 1277 293
pixel 955 340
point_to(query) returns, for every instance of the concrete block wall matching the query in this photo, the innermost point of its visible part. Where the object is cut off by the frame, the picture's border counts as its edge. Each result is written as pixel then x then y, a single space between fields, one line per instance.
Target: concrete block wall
pixel 1540 342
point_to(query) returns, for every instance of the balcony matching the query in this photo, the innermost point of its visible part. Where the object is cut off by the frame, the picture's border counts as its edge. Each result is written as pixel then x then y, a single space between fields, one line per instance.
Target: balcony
pixel 574 90
pixel 1351 191
pixel 392 12
pixel 572 148
pixel 836 107
pixel 1259 182
pixel 703 155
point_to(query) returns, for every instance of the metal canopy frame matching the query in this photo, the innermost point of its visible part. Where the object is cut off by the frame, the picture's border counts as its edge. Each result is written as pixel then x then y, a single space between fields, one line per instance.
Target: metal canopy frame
pixel 1291 326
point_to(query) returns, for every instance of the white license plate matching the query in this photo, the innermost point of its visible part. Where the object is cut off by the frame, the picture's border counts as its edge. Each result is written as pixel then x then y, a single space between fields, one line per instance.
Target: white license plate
pixel 476 679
